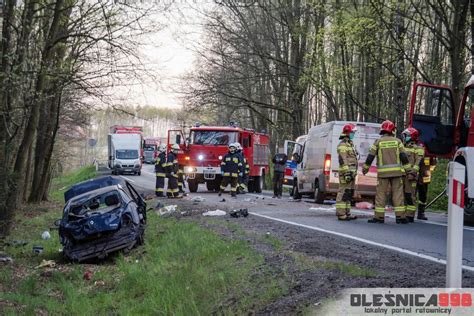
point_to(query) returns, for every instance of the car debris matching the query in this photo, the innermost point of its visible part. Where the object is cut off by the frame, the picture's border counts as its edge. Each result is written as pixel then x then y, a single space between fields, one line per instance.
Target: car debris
pixel 364 205
pixel 198 199
pixel 46 264
pixel 167 210
pixel 326 209
pixel 45 235
pixel 243 212
pixel 38 249
pixel 5 258
pixel 214 213
pixel 101 217
pixel 87 275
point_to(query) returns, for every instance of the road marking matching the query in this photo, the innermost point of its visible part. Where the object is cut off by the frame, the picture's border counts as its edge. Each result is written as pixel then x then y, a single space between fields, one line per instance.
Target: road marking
pixel 361 212
pixel 128 179
pixel 366 241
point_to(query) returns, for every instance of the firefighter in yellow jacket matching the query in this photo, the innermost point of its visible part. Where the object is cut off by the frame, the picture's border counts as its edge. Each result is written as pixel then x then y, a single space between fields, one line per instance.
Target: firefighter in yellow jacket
pixel 392 162
pixel 347 155
pixel 415 155
pixel 160 170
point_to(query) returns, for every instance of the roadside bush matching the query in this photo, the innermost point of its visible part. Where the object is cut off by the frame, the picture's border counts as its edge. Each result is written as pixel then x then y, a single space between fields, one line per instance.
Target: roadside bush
pixel 438 184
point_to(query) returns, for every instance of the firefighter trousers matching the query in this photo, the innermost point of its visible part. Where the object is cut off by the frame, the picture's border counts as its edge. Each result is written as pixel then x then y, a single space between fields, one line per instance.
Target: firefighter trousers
pixel 385 187
pixel 160 184
pixel 344 197
pixel 278 183
pixel 172 190
pixel 233 184
pixel 422 190
pixel 181 181
pixel 410 197
pixel 243 182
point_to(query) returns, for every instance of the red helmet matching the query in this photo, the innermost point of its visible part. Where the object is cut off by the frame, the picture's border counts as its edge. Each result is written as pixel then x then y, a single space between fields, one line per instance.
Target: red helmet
pixel 412 132
pixel 387 126
pixel 349 128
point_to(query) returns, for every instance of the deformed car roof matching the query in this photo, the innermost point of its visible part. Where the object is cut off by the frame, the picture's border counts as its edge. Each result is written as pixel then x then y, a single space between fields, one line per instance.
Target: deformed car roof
pixel 89 185
pixel 79 199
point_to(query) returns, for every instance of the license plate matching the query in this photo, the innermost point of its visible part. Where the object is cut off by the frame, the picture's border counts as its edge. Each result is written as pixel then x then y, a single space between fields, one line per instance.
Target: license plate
pixel 128 170
pixel 210 171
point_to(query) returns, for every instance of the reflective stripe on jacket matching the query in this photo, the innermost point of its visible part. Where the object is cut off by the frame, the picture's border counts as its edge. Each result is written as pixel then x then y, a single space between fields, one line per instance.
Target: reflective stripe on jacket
pixel 347 155
pixel 388 149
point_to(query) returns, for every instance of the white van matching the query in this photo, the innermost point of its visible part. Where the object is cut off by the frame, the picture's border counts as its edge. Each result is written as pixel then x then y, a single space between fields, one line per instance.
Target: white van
pixel 317 171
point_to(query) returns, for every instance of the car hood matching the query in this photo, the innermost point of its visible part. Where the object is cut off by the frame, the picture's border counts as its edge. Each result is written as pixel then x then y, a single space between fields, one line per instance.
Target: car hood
pixel 90 226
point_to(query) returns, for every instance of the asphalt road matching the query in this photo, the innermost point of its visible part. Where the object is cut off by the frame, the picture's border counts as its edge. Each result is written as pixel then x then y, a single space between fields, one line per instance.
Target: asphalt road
pixel 425 239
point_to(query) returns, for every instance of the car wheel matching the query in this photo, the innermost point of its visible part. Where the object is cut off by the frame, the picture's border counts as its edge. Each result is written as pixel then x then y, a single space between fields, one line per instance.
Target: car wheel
pixel 318 195
pixel 193 186
pixel 139 173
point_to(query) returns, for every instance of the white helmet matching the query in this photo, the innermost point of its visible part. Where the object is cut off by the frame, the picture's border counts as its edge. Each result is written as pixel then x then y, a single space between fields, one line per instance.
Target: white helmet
pixel 162 148
pixel 238 146
pixel 175 147
pixel 233 145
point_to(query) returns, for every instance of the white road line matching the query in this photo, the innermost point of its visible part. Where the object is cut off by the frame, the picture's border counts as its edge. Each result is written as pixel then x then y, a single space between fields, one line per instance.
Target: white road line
pixel 366 241
pixel 128 179
pixel 360 212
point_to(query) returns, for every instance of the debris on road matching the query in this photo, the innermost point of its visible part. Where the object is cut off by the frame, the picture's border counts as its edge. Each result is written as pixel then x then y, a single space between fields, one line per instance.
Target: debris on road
pixel 38 249
pixel 364 206
pixel 326 209
pixel 214 213
pixel 167 210
pixel 99 283
pixel 46 264
pixel 198 199
pixel 223 200
pixel 46 235
pixel 248 200
pixel 159 205
pixel 240 212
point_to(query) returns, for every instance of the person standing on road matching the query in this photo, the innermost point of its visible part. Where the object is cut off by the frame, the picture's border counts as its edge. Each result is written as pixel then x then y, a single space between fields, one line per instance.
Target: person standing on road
pixel 427 166
pixel 231 169
pixel 243 181
pixel 172 172
pixel 160 170
pixel 181 181
pixel 415 154
pixel 390 154
pixel 279 166
pixel 347 155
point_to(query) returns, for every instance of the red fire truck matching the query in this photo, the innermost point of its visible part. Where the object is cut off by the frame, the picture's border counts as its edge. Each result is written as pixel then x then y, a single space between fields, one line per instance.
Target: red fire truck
pixel 201 154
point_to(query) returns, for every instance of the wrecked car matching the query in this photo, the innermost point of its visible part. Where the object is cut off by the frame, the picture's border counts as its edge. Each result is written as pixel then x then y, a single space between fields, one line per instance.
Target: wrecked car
pixel 101 217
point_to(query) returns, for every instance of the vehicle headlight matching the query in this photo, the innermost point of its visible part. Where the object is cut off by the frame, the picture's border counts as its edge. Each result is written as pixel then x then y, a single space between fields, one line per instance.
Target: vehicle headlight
pixel 200 157
pixel 117 165
pixel 189 169
pixel 220 157
pixel 137 165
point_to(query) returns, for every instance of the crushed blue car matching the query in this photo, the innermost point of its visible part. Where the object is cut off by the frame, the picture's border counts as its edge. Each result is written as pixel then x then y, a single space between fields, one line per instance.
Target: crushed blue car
pixel 101 217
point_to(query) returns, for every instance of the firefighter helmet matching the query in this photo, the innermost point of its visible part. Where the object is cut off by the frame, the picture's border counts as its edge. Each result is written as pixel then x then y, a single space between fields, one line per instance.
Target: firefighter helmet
pixel 387 127
pixel 162 148
pixel 232 145
pixel 348 129
pixel 411 133
pixel 238 146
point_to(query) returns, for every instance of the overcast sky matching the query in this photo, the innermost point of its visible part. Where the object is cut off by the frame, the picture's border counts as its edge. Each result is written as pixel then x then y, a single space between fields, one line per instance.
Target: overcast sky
pixel 168 54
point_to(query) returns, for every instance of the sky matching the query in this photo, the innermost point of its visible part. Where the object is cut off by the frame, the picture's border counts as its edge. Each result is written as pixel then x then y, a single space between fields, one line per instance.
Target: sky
pixel 168 54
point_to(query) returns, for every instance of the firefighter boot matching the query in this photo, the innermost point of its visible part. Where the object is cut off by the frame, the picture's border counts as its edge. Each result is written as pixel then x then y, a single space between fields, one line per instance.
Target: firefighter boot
pixel 410 219
pixel 421 212
pixel 401 220
pixel 376 220
pixel 350 216
pixel 343 218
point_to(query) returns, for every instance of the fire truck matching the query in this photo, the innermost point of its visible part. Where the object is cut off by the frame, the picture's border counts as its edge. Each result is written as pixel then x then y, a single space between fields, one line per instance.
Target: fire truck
pixel 150 147
pixel 202 152
pixel 446 130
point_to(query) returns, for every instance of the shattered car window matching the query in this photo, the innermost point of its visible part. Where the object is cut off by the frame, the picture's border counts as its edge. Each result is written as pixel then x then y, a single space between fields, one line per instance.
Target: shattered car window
pixel 95 205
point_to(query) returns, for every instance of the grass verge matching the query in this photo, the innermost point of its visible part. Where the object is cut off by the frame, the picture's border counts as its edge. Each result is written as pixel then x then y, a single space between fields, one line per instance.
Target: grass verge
pixel 182 269
pixel 64 182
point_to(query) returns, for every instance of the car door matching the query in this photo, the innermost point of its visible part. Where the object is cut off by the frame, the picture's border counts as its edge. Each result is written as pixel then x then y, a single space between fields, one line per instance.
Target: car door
pixel 432 114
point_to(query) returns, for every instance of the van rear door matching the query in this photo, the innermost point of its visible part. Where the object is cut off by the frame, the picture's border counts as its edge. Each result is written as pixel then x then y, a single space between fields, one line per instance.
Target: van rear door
pixel 367 134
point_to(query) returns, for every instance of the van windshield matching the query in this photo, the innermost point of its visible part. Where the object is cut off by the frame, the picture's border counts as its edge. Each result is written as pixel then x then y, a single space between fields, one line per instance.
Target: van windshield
pixel 126 154
pixel 217 138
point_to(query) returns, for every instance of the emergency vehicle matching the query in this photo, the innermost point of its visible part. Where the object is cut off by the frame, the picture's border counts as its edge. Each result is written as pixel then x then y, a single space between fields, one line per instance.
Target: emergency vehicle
pixel 202 152
pixel 150 149
pixel 445 130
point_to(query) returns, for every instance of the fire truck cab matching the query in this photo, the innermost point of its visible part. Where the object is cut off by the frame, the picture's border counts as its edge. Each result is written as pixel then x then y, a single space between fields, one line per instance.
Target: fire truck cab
pixel 447 131
pixel 202 152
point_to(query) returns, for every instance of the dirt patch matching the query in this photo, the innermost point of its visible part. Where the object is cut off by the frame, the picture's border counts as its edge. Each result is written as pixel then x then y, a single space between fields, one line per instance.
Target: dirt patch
pixel 317 266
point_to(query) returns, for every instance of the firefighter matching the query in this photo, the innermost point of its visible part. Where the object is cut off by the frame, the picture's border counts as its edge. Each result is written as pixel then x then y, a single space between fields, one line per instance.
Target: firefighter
pixel 390 154
pixel 244 180
pixel 279 166
pixel 172 172
pixel 181 181
pixel 160 170
pixel 347 155
pixel 415 154
pixel 231 169
pixel 426 167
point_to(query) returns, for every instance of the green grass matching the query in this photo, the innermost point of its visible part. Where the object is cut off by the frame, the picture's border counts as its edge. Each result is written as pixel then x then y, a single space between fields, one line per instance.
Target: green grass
pixel 64 182
pixel 437 185
pixel 182 269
